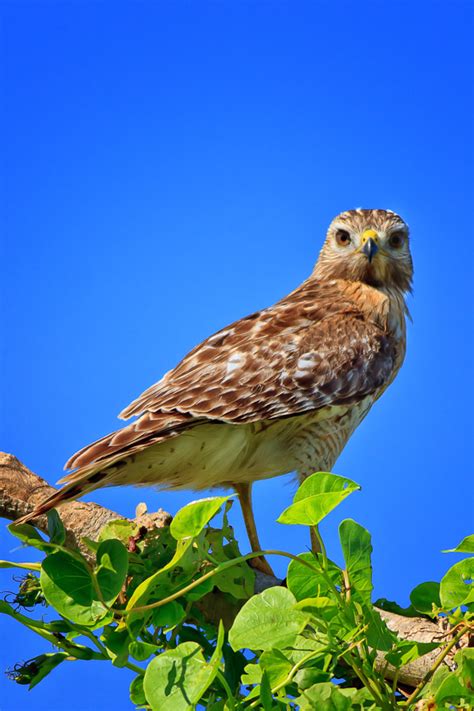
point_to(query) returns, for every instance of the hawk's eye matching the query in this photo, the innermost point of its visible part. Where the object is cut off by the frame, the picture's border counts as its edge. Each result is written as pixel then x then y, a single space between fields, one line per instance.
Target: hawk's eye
pixel 343 238
pixel 396 239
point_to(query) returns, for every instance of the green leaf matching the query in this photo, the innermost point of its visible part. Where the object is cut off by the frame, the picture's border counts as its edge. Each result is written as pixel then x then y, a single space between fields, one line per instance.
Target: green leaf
pixel 466 546
pixel 465 662
pixel 30 536
pixel 318 606
pixel 357 548
pixel 266 698
pixel 457 586
pixel 112 562
pixel 325 696
pixel 267 621
pixel 408 651
pixel 191 519
pixel 316 497
pixel 56 530
pixel 391 606
pixel 175 680
pixel 425 596
pixel 452 690
pixel 68 587
pixel 276 666
pixel 144 590
pixel 120 528
pixel 305 583
pixel 141 651
pixel 312 675
pixel 23 566
pixel 137 694
pixel 117 643
pixel 378 634
pixel 169 615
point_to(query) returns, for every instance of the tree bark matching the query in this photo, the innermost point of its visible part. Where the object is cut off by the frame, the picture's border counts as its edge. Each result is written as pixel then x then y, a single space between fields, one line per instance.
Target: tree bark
pixel 21 490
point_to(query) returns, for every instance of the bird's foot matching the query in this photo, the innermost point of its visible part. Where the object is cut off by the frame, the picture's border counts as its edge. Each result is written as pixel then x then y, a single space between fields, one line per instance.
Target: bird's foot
pixel 262 565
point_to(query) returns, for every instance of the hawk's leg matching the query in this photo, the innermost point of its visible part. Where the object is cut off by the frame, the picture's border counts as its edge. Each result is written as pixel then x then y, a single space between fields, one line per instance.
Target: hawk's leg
pixel 245 496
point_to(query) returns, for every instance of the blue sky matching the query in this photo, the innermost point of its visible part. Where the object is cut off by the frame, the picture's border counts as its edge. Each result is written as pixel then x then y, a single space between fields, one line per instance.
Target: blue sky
pixel 170 167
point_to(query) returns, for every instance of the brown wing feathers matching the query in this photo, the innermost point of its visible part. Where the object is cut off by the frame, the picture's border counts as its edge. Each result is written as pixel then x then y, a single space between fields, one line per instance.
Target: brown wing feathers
pixel 314 348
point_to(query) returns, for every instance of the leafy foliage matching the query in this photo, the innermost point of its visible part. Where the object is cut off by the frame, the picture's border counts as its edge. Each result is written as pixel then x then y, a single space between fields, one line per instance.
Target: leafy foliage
pixel 144 600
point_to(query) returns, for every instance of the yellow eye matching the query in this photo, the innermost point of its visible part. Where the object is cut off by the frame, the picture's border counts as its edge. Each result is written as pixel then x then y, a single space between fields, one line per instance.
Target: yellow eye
pixel 396 239
pixel 343 238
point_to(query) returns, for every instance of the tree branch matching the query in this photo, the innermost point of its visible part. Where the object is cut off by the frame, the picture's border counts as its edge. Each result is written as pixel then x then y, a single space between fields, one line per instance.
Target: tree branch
pixel 21 490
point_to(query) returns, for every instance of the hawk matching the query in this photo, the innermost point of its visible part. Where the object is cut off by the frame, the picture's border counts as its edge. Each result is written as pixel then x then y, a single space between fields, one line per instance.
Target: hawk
pixel 278 391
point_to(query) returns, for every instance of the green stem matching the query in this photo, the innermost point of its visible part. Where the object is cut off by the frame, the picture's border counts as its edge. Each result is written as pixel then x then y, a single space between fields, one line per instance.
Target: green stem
pixel 211 574
pixel 319 538
pixel 102 649
pixel 435 666
pixel 134 667
pixel 368 683
pixel 227 689
pixel 295 668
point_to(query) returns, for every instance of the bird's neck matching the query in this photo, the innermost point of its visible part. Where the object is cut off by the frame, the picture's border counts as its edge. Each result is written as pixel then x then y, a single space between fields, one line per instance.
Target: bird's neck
pixel 383 304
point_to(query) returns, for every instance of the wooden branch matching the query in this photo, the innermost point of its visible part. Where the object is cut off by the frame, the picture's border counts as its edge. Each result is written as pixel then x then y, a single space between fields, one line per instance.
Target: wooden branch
pixel 21 490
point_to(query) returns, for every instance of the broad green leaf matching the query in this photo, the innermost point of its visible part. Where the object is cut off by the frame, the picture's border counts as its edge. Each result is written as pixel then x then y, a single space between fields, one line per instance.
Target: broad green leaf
pixel 424 596
pixel 302 646
pixel 357 548
pixel 141 651
pixel 267 621
pixel 317 605
pixel 457 586
pixel 112 567
pixel 466 546
pixel 175 680
pixel 68 587
pixel 316 497
pixel 117 643
pixel 465 663
pixel 325 696
pixel 137 694
pixel 56 530
pixel 408 651
pixel 312 675
pixel 191 519
pixel 378 634
pixel 391 606
pixel 119 528
pixel 30 536
pixel 305 583
pixel 276 665
pixel 453 691
pixel 169 615
pixel 252 674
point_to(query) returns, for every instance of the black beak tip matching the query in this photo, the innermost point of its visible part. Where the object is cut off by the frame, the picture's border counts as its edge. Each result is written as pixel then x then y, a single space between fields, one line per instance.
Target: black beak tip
pixel 370 249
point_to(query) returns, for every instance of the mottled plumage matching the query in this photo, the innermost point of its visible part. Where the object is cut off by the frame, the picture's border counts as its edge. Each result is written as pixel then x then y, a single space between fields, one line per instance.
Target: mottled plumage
pixel 277 391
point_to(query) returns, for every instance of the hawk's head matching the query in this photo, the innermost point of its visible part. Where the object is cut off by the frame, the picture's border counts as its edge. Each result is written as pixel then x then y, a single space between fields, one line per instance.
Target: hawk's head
pixel 369 246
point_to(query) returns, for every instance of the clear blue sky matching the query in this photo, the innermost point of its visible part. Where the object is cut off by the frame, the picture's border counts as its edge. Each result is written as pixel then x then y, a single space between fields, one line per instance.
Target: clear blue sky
pixel 169 167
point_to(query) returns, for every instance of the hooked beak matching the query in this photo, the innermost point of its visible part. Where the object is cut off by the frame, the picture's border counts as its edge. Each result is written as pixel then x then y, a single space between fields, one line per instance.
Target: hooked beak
pixel 369 244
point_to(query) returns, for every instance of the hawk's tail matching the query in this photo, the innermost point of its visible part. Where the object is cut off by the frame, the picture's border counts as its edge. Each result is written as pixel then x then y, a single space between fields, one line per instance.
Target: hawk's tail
pixel 104 463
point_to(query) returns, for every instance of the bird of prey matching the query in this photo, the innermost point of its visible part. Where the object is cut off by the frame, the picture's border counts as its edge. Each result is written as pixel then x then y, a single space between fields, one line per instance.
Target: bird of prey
pixel 278 391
